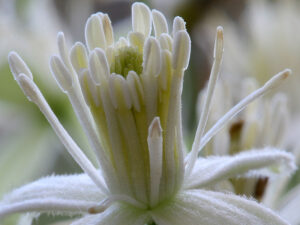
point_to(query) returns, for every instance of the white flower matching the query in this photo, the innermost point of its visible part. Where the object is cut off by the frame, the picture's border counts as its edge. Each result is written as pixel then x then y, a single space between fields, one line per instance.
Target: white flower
pixel 127 97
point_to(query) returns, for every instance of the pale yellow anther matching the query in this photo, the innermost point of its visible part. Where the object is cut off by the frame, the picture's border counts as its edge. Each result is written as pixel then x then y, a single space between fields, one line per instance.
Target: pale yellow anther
pixel 181 50
pixel 151 57
pixel 219 44
pixel 178 25
pixel 98 65
pixel 135 89
pixel 165 42
pixel 62 48
pixel 28 86
pixel 78 56
pixel 277 79
pixel 18 66
pixel 141 19
pixel 122 42
pixel 88 88
pixel 108 30
pixel 136 39
pixel 61 73
pixel 119 92
pixel 94 33
pixel 159 22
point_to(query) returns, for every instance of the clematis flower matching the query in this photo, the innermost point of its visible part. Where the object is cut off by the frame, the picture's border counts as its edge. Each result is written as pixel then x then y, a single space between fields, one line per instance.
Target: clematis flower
pixel 127 97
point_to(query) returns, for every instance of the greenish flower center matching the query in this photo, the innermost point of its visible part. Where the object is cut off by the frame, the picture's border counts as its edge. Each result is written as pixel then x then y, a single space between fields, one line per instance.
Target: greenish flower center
pixel 127 59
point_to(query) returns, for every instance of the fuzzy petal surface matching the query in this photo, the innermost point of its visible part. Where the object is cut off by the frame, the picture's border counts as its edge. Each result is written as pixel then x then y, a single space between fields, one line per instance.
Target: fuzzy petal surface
pixel 253 163
pixel 200 207
pixel 73 194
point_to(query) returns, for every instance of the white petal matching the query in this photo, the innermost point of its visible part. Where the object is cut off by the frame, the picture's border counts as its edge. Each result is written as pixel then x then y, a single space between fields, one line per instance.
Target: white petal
pixel 55 194
pixel 213 208
pixel 289 207
pixel 116 215
pixel 250 163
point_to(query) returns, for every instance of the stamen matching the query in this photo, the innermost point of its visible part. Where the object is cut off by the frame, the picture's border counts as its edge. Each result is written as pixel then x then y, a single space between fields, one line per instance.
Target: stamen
pixel 17 65
pixel 98 66
pixel 119 92
pixel 166 69
pixel 63 52
pixel 108 30
pixel 272 83
pixel 88 87
pixel 165 42
pixel 78 56
pixel 33 93
pixel 159 22
pixel 155 146
pixel 151 57
pixel 178 25
pixel 94 33
pixel 181 50
pixel 141 19
pixel 135 89
pixel 136 39
pixel 61 74
pixel 218 53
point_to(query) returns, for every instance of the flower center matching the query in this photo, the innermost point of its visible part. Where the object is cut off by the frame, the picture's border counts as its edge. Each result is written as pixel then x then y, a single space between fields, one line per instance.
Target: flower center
pixel 127 59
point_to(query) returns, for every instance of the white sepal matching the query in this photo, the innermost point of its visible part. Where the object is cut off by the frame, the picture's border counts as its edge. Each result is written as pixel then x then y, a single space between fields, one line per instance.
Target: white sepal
pixel 255 163
pixel 116 215
pixel 73 194
pixel 214 208
pixel 275 81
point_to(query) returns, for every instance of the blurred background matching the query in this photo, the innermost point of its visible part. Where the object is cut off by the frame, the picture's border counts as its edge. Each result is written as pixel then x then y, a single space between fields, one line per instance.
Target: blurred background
pixel 262 37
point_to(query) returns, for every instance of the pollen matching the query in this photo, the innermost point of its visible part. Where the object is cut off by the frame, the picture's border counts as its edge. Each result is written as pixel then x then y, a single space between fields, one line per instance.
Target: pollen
pixel 127 59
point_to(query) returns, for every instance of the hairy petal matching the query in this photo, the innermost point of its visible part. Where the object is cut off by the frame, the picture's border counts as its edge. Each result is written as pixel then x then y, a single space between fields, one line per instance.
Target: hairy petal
pixel 117 214
pixel 199 207
pixel 73 194
pixel 210 170
pixel 289 206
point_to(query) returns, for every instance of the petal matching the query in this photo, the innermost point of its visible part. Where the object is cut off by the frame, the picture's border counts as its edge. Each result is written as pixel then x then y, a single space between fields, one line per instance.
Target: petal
pixel 73 194
pixel 289 206
pixel 117 214
pixel 210 170
pixel 207 207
